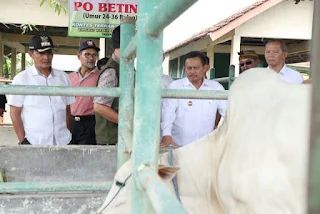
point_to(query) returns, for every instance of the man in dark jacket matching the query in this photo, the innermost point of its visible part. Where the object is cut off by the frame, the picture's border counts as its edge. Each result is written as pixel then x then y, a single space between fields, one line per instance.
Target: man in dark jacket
pixel 3 102
pixel 106 108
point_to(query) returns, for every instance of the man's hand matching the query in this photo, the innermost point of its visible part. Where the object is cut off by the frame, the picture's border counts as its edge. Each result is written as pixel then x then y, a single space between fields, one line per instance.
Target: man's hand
pixel 2 111
pixel 166 141
pixel 15 113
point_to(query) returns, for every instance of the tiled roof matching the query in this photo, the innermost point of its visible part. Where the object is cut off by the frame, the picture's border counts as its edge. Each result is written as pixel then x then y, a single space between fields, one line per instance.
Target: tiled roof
pixel 217 26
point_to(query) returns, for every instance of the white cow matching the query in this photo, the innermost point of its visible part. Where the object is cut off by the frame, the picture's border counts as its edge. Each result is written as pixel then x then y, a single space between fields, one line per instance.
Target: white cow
pixel 254 163
pixel 264 165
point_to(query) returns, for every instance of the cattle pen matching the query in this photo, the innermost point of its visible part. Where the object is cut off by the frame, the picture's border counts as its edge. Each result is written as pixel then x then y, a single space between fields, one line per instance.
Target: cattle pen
pixel 140 102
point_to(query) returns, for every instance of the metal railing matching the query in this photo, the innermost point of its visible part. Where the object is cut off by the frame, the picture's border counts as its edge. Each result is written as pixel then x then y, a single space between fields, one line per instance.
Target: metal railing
pixel 17 187
pixel 154 16
pixel 147 45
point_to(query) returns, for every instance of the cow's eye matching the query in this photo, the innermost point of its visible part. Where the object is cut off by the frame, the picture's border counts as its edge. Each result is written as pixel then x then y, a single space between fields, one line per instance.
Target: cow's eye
pixel 120 184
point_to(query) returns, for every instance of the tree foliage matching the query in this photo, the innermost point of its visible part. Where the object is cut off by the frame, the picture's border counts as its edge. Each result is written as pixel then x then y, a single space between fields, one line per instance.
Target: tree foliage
pixel 56 5
pixel 7 65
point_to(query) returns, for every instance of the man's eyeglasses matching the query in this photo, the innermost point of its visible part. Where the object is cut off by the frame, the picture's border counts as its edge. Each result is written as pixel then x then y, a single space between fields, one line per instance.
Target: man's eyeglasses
pixel 249 62
pixel 88 55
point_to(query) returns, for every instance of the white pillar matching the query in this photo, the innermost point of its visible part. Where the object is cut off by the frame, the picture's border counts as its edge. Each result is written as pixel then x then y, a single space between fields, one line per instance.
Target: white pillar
pixel 178 67
pixel 102 46
pixel 235 48
pixel 13 62
pixel 165 65
pixel 210 54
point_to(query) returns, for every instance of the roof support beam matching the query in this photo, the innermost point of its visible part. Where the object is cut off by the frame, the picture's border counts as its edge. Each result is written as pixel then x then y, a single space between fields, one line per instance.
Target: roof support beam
pixel 13 63
pixel 20 48
pixel 299 47
pixel 57 40
pixel 228 36
pixel 66 51
pixel 226 49
pixel 196 45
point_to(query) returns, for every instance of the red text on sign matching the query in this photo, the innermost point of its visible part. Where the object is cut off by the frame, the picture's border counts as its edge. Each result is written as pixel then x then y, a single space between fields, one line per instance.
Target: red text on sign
pixel 106 7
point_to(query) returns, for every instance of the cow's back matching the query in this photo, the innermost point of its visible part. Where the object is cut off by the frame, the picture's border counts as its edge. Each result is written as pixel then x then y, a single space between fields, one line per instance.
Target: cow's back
pixel 263 169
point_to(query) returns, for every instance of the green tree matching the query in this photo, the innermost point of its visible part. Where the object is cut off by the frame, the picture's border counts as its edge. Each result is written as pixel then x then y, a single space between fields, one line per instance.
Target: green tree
pixel 7 65
pixel 56 5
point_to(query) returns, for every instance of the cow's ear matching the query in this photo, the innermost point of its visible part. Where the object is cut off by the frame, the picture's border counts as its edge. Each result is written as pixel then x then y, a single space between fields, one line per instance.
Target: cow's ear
pixel 167 172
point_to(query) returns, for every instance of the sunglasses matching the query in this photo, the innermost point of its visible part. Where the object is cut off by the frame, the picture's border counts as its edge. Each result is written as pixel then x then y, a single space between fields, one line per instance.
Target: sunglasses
pixel 249 62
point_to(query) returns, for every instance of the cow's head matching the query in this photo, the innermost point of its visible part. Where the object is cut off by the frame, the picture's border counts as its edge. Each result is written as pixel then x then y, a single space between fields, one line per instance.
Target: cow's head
pixel 119 196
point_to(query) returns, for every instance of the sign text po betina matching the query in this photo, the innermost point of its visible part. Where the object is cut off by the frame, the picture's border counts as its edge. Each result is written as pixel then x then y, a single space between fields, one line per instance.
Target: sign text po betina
pixel 97 18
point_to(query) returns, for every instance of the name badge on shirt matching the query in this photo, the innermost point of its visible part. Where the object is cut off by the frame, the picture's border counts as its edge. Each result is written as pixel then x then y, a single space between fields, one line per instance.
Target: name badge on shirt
pixel 190 103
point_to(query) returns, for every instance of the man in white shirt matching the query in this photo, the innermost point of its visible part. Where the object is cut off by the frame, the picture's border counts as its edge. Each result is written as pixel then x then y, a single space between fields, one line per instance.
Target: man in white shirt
pixel 187 120
pixel 166 81
pixel 275 54
pixel 41 120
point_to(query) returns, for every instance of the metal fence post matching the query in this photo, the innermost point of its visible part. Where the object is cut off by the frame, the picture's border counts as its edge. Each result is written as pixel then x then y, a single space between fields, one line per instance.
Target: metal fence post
pixel 147 105
pixel 125 128
pixel 314 157
pixel 212 73
pixel 231 75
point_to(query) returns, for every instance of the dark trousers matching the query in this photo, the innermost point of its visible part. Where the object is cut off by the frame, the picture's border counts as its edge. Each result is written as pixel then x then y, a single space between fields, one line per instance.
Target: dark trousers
pixel 82 129
pixel 25 142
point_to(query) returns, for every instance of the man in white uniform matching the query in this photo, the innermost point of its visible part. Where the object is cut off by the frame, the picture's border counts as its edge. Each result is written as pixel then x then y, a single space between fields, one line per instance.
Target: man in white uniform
pixel 41 120
pixel 186 120
pixel 275 54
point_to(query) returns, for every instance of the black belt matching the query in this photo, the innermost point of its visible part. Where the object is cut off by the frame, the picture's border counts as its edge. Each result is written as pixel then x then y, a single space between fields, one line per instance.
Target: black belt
pixel 85 118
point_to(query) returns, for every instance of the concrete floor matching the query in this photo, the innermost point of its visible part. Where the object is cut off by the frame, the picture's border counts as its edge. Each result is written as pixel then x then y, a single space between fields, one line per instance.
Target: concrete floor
pixel 57 164
pixel 7 135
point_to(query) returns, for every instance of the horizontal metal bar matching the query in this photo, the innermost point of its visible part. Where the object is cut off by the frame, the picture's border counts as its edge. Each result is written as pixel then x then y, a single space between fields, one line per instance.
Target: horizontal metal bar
pixel 161 198
pixel 59 90
pixel 130 52
pixel 222 79
pixel 108 92
pixel 163 15
pixel 190 94
pixel 17 187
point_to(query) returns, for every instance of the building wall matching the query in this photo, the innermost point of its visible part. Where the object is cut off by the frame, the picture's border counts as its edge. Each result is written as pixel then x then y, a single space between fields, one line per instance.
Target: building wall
pixel 29 11
pixel 202 14
pixel 285 20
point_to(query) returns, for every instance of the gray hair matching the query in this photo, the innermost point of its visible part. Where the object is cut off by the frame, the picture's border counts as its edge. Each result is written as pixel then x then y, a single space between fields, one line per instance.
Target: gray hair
pixel 283 45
